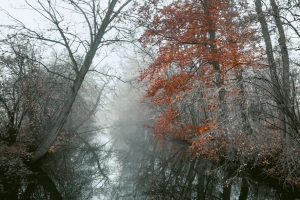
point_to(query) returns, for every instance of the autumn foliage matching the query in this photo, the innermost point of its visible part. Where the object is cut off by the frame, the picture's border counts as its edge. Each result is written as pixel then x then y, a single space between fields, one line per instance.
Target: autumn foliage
pixel 212 86
pixel 199 44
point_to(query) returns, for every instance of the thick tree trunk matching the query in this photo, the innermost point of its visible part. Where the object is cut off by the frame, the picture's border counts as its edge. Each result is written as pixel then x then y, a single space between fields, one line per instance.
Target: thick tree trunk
pixel 43 148
pixel 226 192
pixel 246 126
pixel 47 183
pixel 276 88
pixel 285 75
pixel 244 190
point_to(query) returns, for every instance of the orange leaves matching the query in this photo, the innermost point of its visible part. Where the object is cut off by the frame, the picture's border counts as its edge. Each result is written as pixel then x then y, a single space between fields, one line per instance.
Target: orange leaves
pixel 197 43
pixel 163 90
pixel 203 128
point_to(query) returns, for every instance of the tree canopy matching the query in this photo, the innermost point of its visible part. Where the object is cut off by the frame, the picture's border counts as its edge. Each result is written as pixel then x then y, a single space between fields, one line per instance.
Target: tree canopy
pixel 206 105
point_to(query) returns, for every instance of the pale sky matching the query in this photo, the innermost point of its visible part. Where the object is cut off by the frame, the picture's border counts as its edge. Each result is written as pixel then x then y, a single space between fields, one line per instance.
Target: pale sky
pixel 34 20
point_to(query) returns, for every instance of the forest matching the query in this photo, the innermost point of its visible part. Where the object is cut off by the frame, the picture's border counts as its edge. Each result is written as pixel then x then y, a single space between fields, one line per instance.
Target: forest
pixel 153 99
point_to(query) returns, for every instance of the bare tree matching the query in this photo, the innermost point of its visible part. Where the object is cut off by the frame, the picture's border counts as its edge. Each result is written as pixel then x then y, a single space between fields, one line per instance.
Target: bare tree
pixel 99 19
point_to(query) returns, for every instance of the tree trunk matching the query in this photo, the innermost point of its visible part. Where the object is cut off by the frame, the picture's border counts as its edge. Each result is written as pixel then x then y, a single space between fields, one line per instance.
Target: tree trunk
pixel 288 195
pixel 98 35
pixel 246 126
pixel 29 190
pixel 189 180
pixel 43 148
pixel 223 118
pixel 285 75
pixel 226 192
pixel 201 186
pixel 244 190
pixel 47 183
pixel 276 88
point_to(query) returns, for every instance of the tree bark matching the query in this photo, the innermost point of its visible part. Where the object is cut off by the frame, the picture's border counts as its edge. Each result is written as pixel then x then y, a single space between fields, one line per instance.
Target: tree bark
pixel 276 88
pixel 201 186
pixel 189 180
pixel 246 126
pixel 285 75
pixel 46 182
pixel 244 190
pixel 223 118
pixel 226 192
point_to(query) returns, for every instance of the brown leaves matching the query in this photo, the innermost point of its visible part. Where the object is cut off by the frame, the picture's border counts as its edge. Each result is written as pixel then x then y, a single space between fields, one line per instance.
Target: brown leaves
pixel 185 77
pixel 203 128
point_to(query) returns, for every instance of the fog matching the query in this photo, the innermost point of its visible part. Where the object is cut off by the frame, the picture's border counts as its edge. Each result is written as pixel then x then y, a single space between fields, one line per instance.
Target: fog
pixel 133 100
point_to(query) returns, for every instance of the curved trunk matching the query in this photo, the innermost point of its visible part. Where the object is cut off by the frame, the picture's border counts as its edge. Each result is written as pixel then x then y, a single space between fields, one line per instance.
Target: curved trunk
pixel 59 122
pixel 43 148
pixel 46 182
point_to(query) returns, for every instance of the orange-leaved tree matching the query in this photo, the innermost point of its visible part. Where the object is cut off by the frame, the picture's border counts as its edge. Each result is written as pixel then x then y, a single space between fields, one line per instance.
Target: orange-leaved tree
pixel 200 46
